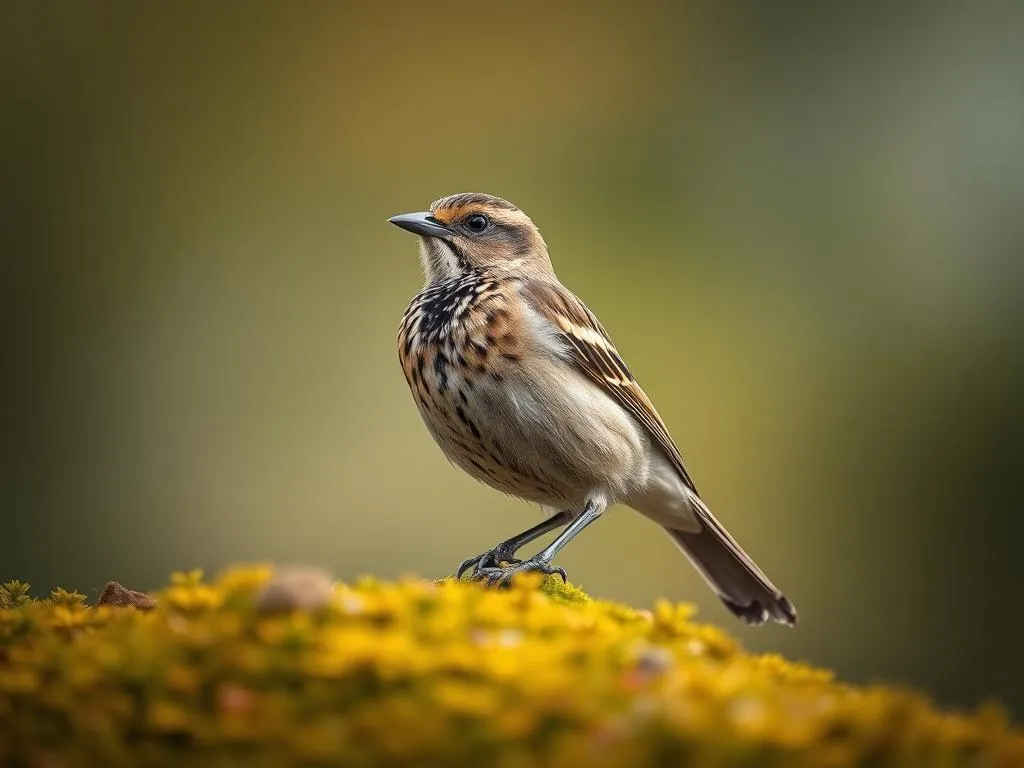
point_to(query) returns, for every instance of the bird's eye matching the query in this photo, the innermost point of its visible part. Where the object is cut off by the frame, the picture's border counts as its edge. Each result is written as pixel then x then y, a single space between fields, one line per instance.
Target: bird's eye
pixel 477 222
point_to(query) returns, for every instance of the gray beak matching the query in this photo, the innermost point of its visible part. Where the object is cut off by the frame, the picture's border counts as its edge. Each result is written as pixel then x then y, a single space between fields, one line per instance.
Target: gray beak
pixel 422 223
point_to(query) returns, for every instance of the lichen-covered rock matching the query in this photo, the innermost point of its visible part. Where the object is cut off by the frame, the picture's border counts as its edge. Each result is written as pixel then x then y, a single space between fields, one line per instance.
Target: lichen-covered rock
pixel 418 673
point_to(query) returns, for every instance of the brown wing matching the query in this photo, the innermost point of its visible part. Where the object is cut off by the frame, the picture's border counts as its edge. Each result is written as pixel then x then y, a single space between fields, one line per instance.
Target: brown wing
pixel 735 576
pixel 595 354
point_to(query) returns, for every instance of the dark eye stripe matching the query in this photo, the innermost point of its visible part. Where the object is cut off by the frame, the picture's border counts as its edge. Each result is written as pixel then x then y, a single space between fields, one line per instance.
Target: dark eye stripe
pixel 520 238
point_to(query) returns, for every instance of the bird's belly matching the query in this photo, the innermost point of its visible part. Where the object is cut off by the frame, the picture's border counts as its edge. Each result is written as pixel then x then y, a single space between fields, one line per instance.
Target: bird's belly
pixel 542 432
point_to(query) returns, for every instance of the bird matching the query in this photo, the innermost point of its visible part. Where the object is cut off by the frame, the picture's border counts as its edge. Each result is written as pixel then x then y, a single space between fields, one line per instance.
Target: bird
pixel 521 387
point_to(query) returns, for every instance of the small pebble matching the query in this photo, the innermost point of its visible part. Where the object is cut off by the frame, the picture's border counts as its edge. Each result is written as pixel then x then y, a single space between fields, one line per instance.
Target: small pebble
pixel 290 589
pixel 654 659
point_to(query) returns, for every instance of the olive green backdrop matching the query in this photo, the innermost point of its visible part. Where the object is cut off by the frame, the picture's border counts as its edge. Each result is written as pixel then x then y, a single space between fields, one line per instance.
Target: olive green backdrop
pixel 802 225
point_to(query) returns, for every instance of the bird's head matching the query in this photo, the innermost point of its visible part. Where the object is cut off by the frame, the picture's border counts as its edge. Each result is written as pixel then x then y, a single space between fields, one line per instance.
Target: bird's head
pixel 473 230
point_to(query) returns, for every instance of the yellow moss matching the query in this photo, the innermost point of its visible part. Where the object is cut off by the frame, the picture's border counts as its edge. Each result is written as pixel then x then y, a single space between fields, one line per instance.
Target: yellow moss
pixel 448 673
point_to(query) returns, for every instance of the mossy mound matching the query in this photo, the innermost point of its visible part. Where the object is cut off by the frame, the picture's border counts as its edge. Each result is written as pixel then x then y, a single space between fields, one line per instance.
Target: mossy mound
pixel 420 673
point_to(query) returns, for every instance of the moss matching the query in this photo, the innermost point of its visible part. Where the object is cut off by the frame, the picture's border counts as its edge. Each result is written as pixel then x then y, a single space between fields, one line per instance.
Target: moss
pixel 13 594
pixel 420 673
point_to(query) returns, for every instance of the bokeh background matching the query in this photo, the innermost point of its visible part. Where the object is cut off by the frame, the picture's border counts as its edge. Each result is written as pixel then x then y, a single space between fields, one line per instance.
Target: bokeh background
pixel 803 223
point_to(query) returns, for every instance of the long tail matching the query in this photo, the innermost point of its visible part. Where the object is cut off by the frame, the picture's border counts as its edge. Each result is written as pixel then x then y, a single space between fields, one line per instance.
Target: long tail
pixel 736 579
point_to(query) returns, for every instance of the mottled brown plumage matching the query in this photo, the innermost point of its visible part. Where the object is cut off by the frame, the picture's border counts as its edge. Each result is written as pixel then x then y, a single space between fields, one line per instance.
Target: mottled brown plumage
pixel 521 387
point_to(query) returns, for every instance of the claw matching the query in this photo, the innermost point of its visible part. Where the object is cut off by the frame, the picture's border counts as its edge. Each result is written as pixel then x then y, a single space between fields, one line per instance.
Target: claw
pixel 496 576
pixel 492 558
pixel 465 566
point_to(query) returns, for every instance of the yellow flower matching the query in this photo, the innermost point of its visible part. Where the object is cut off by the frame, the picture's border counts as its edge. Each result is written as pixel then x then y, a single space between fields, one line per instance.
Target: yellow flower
pixel 244 580
pixel 191 597
pixel 463 698
pixel 442 673
pixel 181 678
pixel 19 680
pixel 167 717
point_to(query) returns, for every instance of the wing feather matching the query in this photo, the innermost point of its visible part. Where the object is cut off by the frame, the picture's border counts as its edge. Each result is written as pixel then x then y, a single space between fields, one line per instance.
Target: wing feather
pixel 594 353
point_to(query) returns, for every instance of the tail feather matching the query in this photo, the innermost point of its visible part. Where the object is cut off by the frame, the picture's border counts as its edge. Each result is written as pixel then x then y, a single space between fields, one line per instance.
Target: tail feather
pixel 735 578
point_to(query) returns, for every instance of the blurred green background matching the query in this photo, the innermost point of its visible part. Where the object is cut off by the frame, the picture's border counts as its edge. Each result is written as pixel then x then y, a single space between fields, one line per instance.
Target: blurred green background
pixel 801 222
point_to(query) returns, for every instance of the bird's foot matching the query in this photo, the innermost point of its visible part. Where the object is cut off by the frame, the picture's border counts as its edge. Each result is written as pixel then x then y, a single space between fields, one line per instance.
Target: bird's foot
pixel 503 575
pixel 491 559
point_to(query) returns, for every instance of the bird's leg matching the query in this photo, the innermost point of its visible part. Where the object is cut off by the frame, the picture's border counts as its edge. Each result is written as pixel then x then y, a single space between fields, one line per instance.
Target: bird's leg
pixel 505 552
pixel 541 562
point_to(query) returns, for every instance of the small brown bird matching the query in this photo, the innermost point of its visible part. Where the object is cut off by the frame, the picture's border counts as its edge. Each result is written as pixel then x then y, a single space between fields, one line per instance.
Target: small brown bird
pixel 521 387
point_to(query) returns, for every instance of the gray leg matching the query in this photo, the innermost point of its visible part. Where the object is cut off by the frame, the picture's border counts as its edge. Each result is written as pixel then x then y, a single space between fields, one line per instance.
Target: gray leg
pixel 542 561
pixel 505 552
